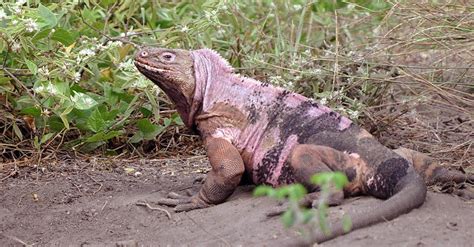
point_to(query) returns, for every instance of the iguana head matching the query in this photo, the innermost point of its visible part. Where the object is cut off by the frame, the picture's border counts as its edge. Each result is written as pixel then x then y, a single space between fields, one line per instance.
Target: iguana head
pixel 183 75
pixel 172 70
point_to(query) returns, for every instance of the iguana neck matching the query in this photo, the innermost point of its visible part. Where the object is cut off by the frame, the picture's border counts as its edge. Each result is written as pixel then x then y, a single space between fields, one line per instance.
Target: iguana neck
pixel 209 69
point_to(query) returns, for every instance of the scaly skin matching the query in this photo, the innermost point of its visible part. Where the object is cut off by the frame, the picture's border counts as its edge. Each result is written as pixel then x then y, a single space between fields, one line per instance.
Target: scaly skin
pixel 277 137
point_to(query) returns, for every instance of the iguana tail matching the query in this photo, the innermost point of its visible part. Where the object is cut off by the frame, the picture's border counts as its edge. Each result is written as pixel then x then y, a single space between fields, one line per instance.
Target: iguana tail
pixel 409 194
pixel 431 171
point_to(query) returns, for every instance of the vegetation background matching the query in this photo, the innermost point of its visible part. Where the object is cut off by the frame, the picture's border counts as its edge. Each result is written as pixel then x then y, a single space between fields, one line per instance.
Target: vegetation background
pixel 403 69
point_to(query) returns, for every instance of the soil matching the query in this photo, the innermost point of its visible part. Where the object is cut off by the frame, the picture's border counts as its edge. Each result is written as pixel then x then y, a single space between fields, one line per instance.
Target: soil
pixel 94 203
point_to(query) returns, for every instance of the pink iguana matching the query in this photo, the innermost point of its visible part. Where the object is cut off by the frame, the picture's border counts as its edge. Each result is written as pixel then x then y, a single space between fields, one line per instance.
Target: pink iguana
pixel 277 137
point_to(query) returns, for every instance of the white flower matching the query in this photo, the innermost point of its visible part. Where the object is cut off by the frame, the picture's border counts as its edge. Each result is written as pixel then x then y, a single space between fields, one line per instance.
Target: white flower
pixel 87 52
pixel 44 71
pixel 16 47
pixel 2 14
pixel 48 89
pixel 208 15
pixel 77 77
pixel 297 7
pixel 323 101
pixel 20 2
pixel 113 44
pixel 16 9
pixel 184 28
pixel 14 22
pixel 40 89
pixel 31 25
pixel 127 65
pixel 353 114
pixel 52 89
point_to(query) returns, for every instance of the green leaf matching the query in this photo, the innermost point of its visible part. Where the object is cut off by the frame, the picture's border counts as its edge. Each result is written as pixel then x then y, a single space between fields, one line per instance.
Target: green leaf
pixel 137 137
pixel 308 214
pixel 262 190
pixel 288 218
pixel 177 119
pixel 40 35
pixel 91 146
pixel 55 123
pixel 63 116
pixel 96 121
pixel 31 66
pixel 339 179
pixel 146 112
pixel 48 17
pixel 102 136
pixel 296 192
pixel 149 130
pixel 63 36
pixel 36 143
pixel 167 122
pixel 83 101
pixel 282 192
pixel 346 223
pixel 46 137
pixel 33 111
pixel 17 131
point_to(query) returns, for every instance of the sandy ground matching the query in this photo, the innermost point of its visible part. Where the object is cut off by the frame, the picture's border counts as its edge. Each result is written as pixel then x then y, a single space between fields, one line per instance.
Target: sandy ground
pixel 80 204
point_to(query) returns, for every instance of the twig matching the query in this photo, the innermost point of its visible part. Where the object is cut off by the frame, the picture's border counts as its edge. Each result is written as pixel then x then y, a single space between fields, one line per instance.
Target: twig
pixel 17 240
pixel 144 204
pixel 21 84
pixel 12 173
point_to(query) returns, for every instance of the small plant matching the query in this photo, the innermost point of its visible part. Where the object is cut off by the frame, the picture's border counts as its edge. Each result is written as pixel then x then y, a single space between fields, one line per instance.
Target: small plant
pixel 308 220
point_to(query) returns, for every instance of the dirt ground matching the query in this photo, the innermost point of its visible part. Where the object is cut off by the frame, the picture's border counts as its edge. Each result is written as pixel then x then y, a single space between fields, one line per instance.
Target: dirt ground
pixel 95 203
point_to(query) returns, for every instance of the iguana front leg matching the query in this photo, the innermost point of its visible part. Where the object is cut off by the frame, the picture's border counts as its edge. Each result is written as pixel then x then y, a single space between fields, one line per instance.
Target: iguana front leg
pixel 227 169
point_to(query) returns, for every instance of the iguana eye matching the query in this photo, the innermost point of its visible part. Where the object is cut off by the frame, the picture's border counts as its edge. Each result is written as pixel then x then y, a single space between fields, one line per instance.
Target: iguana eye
pixel 168 57
pixel 144 54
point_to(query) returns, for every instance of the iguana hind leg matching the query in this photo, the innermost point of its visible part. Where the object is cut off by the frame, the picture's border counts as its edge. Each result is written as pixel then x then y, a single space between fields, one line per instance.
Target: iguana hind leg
pixel 307 160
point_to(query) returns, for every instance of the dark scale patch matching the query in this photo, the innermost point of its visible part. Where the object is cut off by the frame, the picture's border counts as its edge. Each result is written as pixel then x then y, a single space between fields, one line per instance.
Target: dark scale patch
pixel 284 93
pixel 267 165
pixel 350 173
pixel 292 121
pixel 254 115
pixel 386 177
pixel 312 103
pixel 264 84
pixel 276 109
pixel 298 123
pixel 287 175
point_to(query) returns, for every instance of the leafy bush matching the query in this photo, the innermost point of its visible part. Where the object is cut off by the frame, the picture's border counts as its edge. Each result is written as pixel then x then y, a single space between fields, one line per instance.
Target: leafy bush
pixel 67 79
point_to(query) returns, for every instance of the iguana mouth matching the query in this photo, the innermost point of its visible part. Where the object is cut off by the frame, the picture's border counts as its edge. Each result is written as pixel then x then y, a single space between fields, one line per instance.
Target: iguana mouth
pixel 149 67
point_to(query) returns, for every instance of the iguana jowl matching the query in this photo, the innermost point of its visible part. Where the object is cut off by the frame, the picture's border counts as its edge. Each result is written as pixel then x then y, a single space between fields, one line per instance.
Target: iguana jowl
pixel 278 137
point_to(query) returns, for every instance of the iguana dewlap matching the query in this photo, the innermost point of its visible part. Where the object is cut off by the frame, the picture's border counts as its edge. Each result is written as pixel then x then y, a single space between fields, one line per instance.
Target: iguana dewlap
pixel 278 137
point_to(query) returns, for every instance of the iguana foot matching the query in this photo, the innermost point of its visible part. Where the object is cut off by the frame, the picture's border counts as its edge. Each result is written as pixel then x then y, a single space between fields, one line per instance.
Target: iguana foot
pixel 311 199
pixel 182 203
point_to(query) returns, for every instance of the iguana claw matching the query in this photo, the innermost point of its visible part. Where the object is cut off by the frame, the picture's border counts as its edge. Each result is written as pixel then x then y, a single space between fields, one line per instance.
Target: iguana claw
pixel 182 203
